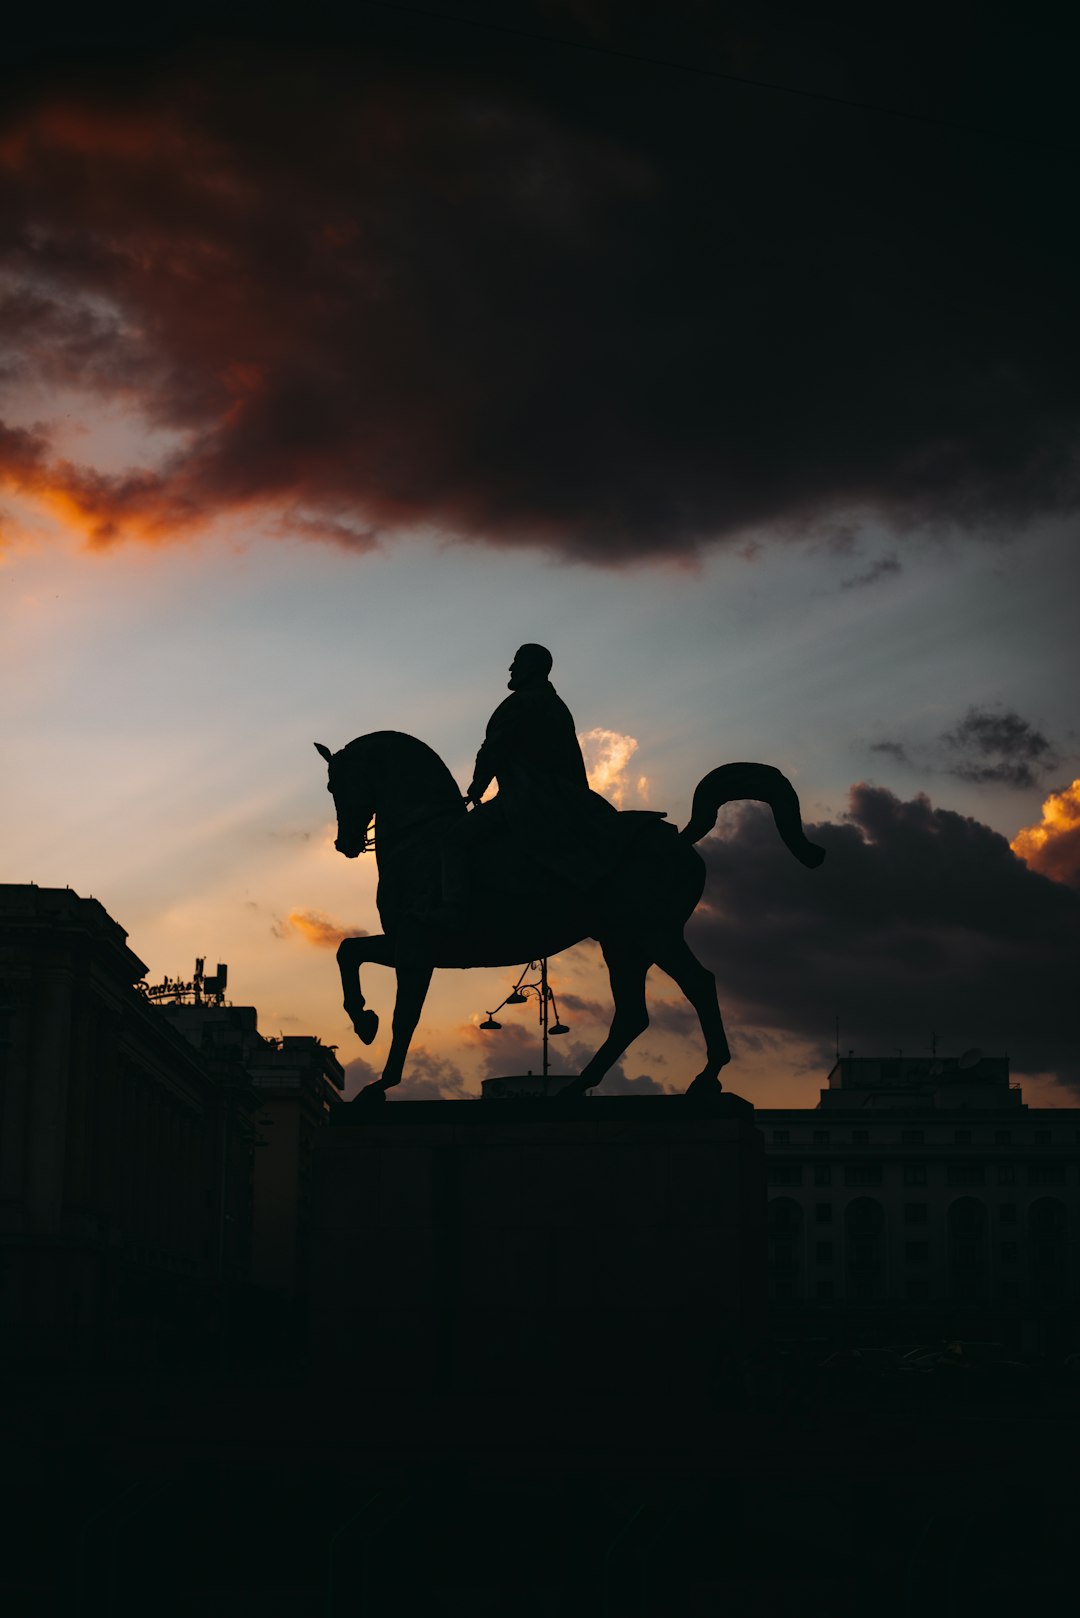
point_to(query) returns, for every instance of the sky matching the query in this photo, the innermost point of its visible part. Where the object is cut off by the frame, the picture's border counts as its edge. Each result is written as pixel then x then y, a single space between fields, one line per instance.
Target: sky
pixel 731 357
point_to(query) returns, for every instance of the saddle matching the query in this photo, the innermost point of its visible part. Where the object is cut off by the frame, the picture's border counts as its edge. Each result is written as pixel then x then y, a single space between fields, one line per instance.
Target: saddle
pixel 512 864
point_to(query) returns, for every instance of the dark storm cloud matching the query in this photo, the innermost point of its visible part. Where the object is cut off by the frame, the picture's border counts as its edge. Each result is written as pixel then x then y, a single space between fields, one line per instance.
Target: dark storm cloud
pixel 886 567
pixel 535 296
pixel 921 920
pixel 998 745
pixel 892 749
pixel 988 747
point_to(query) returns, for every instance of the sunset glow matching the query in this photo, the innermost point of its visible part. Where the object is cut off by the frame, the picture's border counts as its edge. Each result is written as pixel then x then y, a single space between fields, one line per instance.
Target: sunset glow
pixel 607 758
pixel 330 380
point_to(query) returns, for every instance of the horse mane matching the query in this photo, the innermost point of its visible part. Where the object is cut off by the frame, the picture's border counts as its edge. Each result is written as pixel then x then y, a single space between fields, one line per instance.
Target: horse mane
pixel 417 767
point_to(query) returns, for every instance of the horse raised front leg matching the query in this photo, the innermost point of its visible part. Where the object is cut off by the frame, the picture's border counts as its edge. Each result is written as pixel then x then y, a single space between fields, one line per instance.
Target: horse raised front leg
pixel 351 955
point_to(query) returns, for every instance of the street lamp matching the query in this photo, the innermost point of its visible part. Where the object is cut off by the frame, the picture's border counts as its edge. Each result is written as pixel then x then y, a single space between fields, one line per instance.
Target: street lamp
pixel 544 993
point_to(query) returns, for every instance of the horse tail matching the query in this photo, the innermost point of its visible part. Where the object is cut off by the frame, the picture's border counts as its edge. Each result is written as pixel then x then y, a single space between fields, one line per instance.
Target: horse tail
pixel 732 783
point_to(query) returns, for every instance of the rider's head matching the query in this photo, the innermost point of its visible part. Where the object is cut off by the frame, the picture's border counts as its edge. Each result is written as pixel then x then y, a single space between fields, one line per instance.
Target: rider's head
pixel 531 665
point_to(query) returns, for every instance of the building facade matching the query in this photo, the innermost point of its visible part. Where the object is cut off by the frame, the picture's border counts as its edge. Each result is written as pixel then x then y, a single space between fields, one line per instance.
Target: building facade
pixel 117 1178
pixel 297 1080
pixel 923 1194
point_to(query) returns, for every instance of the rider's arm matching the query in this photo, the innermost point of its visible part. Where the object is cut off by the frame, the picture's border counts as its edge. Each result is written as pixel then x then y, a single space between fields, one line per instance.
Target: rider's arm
pixel 483 773
pixel 503 726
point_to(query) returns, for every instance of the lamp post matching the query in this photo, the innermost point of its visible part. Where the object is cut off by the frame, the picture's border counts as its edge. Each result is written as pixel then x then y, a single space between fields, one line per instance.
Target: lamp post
pixel 544 993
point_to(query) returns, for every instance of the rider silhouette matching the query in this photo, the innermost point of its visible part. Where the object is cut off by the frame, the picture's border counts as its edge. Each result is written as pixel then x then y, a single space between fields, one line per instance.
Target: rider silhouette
pixel 531 749
pixel 530 746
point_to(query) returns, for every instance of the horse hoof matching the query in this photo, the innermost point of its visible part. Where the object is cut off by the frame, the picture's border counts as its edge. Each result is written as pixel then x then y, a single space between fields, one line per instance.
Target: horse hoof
pixel 705 1084
pixel 366 1024
pixel 574 1090
pixel 371 1093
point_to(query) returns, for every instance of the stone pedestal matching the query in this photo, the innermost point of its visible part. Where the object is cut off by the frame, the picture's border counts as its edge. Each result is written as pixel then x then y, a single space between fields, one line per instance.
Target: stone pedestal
pixel 538 1248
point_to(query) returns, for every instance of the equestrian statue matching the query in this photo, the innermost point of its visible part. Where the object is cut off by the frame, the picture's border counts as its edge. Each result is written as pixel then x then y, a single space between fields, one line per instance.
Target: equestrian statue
pixel 539 867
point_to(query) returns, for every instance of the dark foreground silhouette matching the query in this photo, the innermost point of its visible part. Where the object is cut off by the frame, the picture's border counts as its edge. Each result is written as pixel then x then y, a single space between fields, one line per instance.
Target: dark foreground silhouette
pixel 647 881
pixel 152 1493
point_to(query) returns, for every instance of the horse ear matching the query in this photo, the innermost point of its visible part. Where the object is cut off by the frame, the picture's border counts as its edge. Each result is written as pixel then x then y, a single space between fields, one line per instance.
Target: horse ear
pixel 325 751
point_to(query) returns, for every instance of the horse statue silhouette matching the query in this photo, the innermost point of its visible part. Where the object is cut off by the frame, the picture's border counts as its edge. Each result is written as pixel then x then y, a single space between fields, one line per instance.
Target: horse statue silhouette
pixel 519 912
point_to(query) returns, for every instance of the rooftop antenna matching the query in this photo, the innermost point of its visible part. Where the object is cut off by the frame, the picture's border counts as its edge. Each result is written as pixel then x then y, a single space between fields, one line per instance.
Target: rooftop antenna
pixel 933 1043
pixel 838 1036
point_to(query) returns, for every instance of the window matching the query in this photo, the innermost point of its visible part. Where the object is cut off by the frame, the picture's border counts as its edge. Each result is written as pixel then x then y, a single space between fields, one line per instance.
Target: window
pixel 1002 1137
pixel 822 1174
pixel 918 1289
pixel 824 1289
pixel 914 1173
pixel 1046 1174
pixel 917 1252
pixel 964 1174
pixel 1009 1251
pixel 862 1173
pixel 912 1137
pixel 1007 1213
pixel 821 1137
pixel 1047 1217
pixel 1006 1174
pixel 860 1137
pixel 784 1173
pixel 1010 1289
pixel 915 1213
pixel 962 1137
pixel 1042 1137
pixel 824 1252
pixel 781 1137
pixel 823 1213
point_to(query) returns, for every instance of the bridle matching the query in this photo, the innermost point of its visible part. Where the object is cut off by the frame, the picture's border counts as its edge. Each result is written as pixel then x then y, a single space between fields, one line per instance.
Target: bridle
pixel 367 840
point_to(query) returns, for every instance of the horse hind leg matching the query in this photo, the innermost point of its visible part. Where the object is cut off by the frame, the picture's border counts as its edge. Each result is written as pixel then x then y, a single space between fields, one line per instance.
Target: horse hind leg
pixel 627 971
pixel 699 986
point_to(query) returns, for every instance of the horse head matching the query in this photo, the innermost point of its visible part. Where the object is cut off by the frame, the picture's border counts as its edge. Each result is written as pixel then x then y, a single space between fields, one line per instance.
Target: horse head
pixel 393 776
pixel 352 788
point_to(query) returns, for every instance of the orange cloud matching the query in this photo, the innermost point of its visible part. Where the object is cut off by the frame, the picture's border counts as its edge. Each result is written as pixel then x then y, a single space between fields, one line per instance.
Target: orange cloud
pixel 1053 846
pixel 607 756
pixel 322 930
